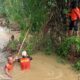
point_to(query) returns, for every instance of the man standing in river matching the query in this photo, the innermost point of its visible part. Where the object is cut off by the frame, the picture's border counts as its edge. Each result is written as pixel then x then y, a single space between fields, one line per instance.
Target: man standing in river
pixel 25 61
pixel 9 67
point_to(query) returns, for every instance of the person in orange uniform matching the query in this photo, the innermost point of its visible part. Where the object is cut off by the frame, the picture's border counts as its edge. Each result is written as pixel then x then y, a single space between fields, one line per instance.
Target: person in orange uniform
pixel 9 66
pixel 25 61
pixel 74 17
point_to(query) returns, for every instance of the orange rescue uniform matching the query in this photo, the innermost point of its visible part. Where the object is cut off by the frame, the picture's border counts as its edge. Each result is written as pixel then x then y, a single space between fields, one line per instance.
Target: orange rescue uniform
pixel 9 67
pixel 25 63
pixel 75 14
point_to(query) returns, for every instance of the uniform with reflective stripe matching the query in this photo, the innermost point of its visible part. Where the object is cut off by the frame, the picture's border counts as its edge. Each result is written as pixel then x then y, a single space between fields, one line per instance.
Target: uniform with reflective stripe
pixel 25 63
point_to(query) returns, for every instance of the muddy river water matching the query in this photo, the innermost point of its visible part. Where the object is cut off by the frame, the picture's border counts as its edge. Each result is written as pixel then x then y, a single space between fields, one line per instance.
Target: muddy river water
pixel 46 68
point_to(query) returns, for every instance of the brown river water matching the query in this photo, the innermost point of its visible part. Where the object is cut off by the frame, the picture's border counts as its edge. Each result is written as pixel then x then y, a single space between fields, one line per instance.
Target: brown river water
pixel 42 67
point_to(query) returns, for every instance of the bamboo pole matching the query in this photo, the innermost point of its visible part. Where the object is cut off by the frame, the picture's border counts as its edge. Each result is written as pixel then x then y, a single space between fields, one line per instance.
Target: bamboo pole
pixel 23 42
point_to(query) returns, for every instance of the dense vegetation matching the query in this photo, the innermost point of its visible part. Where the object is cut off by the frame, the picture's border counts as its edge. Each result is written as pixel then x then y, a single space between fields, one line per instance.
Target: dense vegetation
pixel 38 16
pixel 43 19
pixel 66 46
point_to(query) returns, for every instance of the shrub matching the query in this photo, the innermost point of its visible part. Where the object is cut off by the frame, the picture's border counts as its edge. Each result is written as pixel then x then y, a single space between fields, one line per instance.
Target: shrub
pixel 47 46
pixel 63 50
pixel 77 65
pixel 12 45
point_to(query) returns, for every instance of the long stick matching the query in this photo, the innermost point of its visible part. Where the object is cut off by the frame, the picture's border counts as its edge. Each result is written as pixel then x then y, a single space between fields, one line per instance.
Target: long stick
pixel 23 42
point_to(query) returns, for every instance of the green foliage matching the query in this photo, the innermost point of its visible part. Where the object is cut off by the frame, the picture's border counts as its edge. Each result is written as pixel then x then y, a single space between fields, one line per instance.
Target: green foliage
pixel 13 45
pixel 34 10
pixel 22 35
pixel 77 65
pixel 37 12
pixel 29 14
pixel 48 46
pixel 15 12
pixel 63 50
pixel 1 7
pixel 30 46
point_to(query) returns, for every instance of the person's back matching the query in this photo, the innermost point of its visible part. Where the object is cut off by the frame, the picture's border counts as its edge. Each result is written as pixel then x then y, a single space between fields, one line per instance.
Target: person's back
pixel 25 63
pixel 75 14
